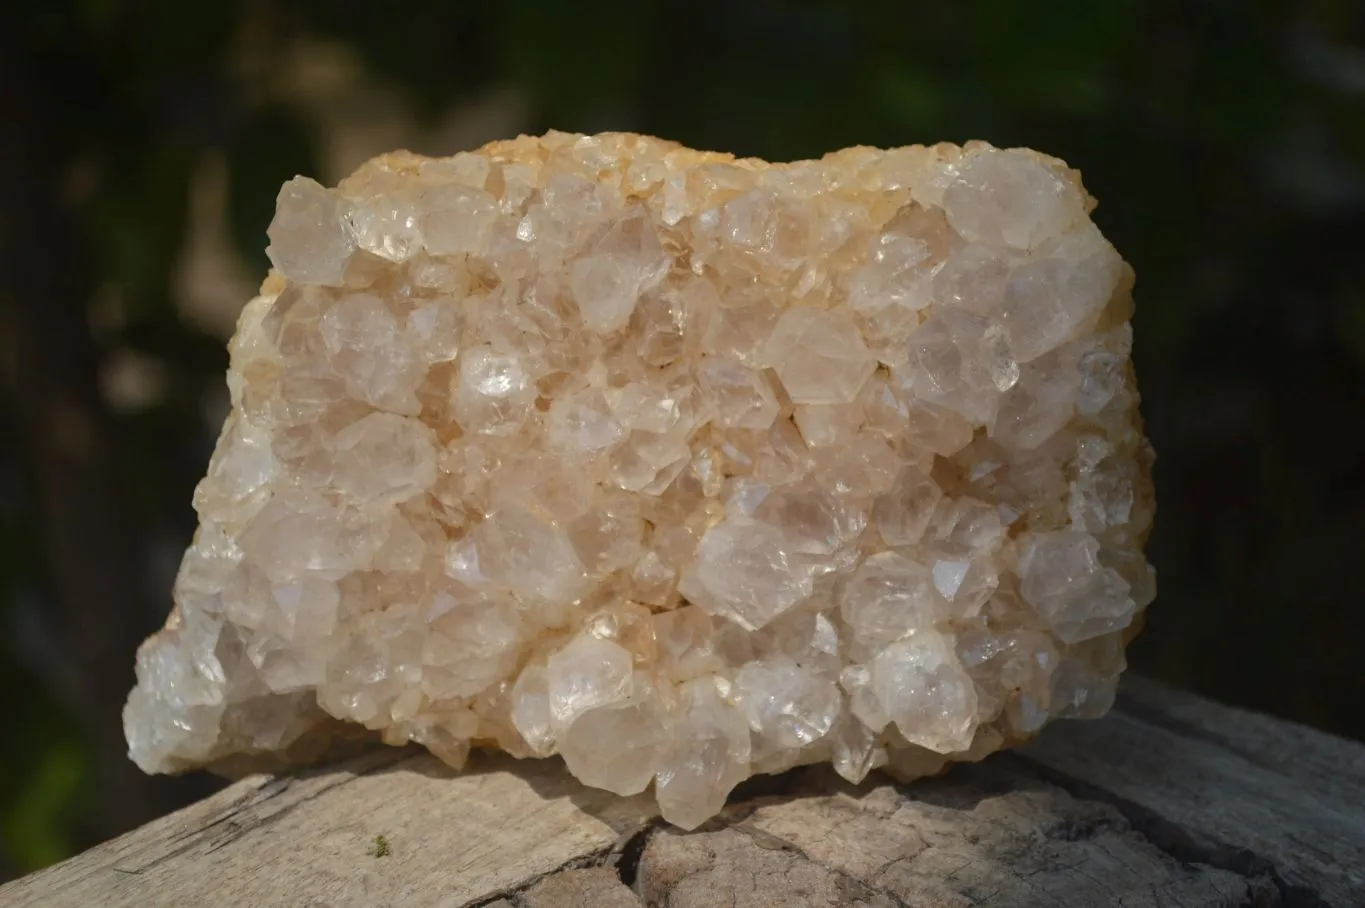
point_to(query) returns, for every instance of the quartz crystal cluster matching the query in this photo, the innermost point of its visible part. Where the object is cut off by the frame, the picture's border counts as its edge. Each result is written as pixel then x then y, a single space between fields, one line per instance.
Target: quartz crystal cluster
pixel 680 466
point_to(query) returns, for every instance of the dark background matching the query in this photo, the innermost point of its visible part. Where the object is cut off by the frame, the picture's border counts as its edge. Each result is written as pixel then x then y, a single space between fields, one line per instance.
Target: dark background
pixel 141 146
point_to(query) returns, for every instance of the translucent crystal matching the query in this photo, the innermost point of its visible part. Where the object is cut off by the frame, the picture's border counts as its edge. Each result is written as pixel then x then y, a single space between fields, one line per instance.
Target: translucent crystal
pixel 1059 292
pixel 856 749
pixel 494 394
pixel 740 397
pixel 585 675
pixel 309 242
pixel 456 219
pixel 819 355
pixel 707 756
pixel 530 713
pixel 678 467
pixel 530 555
pixel 384 458
pixel 960 361
pixel 1040 403
pixel 617 747
pixel 786 702
pixel 748 574
pixel 814 520
pixel 926 692
pixel 888 597
pixel 367 348
pixel 472 646
pixel 902 514
pixel 1062 576
pixel 386 226
pixel 582 423
pixel 901 262
pixel 1012 197
pixel 621 266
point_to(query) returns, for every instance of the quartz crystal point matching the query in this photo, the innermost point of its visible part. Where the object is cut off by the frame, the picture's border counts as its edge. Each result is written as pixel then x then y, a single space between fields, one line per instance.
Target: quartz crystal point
pixel 680 466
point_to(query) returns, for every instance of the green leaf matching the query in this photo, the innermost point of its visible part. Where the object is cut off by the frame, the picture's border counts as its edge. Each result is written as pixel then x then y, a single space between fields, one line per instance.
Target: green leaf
pixel 36 825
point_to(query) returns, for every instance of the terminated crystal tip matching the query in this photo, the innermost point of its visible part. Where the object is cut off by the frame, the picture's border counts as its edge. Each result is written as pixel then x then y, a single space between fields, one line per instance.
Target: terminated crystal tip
pixel 680 466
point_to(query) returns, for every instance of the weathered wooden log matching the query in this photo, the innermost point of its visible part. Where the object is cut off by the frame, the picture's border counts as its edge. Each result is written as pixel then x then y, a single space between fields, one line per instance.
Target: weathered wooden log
pixel 1169 801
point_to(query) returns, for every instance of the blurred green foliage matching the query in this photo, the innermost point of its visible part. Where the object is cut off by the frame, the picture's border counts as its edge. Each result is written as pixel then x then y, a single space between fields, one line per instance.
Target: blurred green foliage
pixel 1224 138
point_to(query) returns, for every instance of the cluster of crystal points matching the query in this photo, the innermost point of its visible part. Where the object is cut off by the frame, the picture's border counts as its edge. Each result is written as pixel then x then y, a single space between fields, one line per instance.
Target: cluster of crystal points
pixel 680 466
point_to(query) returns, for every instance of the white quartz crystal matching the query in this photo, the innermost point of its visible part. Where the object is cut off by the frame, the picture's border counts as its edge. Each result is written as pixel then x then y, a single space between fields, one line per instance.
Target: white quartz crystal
pixel 679 466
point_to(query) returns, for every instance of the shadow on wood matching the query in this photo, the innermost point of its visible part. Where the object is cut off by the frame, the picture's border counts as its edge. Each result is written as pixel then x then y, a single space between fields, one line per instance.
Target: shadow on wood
pixel 1170 800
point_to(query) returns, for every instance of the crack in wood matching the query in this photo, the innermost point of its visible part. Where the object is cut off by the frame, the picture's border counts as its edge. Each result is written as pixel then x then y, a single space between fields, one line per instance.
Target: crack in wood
pixel 1174 840
pixel 847 882
pixel 631 850
pixel 596 858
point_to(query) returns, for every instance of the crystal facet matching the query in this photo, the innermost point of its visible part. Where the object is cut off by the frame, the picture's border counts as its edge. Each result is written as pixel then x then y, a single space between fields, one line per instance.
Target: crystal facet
pixel 680 466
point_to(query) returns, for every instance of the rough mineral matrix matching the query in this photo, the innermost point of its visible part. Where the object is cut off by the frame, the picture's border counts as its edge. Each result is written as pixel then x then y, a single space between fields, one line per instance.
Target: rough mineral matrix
pixel 679 466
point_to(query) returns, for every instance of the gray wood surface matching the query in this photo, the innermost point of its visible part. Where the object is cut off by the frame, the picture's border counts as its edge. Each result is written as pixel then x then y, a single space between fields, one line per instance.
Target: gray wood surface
pixel 1169 801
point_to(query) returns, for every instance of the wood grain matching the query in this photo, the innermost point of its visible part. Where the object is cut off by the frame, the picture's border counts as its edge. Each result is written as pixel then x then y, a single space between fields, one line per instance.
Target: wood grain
pixel 1225 786
pixel 310 839
pixel 1170 800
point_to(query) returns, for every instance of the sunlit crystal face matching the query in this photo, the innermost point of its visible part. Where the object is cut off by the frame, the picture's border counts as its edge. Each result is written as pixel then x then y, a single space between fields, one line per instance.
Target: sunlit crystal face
pixel 681 467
